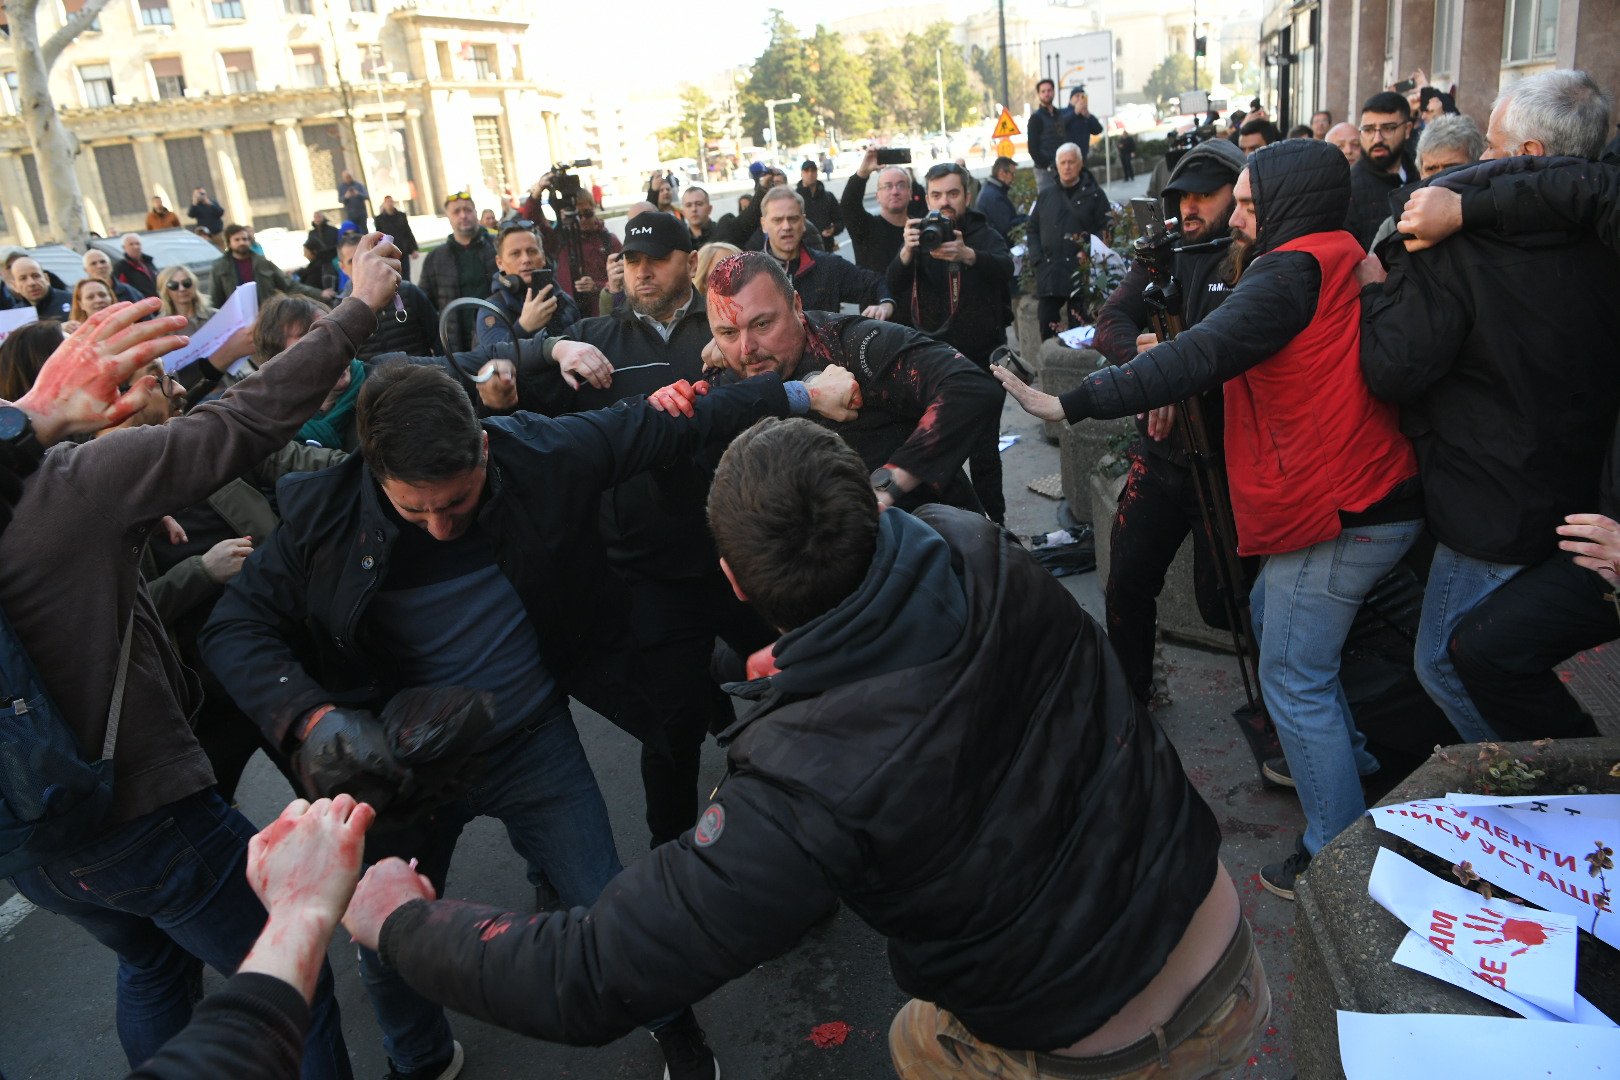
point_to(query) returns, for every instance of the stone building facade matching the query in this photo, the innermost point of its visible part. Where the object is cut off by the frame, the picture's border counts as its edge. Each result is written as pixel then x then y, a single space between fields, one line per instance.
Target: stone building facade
pixel 265 103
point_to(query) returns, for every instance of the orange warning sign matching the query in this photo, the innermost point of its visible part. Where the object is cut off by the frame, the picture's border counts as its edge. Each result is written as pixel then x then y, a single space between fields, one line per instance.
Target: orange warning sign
pixel 1006 128
pixel 1004 148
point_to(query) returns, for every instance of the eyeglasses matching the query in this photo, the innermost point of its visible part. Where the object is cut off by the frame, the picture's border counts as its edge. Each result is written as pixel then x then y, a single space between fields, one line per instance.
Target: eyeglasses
pixel 587 213
pixel 180 283
pixel 1383 129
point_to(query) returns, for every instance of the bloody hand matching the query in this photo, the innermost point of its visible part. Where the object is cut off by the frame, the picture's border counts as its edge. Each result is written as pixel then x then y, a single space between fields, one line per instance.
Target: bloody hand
pixel 387 886
pixel 678 397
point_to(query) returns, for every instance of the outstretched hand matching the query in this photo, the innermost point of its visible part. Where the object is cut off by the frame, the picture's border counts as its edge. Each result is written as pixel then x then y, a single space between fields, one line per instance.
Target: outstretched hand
pixel 389 885
pixel 1594 540
pixel 1037 404
pixel 81 387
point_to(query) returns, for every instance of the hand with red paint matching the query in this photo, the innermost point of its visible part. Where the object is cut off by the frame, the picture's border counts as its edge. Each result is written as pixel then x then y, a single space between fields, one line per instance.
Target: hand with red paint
pixel 1161 422
pixel 678 398
pixel 834 394
pixel 387 886
pixel 1040 405
pixel 78 390
pixel 304 867
pixel 1595 543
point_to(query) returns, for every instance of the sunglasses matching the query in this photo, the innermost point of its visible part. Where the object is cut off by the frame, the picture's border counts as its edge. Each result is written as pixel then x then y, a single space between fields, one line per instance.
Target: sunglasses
pixel 520 225
pixel 177 284
pixel 460 196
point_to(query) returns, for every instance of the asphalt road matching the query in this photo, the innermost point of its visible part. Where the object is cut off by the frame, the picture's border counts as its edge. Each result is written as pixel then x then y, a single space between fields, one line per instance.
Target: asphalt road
pixel 56 1009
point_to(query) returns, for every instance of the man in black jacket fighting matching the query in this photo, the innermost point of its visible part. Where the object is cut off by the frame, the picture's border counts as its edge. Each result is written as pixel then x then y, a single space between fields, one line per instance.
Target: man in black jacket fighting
pixel 960 292
pixel 910 646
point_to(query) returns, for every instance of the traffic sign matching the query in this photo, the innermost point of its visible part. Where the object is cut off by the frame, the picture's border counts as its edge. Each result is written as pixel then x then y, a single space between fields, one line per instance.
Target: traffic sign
pixel 1083 61
pixel 1006 127
pixel 1004 148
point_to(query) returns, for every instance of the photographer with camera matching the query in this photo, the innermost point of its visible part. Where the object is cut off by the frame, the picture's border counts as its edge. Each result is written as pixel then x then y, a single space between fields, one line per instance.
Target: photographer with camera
pixel 1066 216
pixel 953 281
pixel 525 289
pixel 580 245
pixel 1159 505
pixel 876 238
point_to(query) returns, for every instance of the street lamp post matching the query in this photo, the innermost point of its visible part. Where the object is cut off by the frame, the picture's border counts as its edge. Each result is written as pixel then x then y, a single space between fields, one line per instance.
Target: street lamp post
pixel 770 113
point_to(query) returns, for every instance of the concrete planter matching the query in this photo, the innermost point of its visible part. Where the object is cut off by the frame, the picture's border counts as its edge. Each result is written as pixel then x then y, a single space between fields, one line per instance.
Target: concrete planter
pixel 1179 618
pixel 1343 940
pixel 1027 329
pixel 1061 370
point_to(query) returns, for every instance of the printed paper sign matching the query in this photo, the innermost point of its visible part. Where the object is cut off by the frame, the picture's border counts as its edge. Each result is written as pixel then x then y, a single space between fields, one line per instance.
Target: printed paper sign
pixel 15 319
pixel 1427 1045
pixel 239 311
pixel 1527 952
pixel 1416 953
pixel 1541 849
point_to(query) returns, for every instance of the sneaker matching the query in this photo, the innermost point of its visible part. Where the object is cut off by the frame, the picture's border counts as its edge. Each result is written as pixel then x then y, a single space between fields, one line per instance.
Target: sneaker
pixel 443 1070
pixel 1275 771
pixel 1279 878
pixel 686 1053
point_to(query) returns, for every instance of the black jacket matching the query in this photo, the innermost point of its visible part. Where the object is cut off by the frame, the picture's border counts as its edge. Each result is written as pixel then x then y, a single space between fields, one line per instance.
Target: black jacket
pixel 1079 129
pixel 142 278
pixel 397 225
pixel 876 242
pixel 1498 344
pixel 417 335
pixel 252 1028
pixel 826 280
pixel 490 329
pixel 821 211
pixel 1045 135
pixel 922 401
pixel 1199 274
pixel 1369 195
pixel 654 524
pixel 291 631
pixel 976 322
pixel 322 240
pixel 996 204
pixel 954 752
pixel 208 215
pixel 1060 213
pixel 55 304
pixel 441 280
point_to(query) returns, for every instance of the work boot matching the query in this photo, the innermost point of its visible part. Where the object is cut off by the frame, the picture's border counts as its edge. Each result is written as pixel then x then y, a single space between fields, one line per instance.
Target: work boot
pixel 1279 879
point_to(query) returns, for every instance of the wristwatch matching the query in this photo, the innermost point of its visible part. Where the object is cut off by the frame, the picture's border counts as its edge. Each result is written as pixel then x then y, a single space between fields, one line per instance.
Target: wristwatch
pixel 883 479
pixel 17 431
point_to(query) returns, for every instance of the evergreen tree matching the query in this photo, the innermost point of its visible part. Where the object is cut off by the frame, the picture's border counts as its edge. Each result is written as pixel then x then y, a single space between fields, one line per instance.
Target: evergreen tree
pixel 781 71
pixel 1171 78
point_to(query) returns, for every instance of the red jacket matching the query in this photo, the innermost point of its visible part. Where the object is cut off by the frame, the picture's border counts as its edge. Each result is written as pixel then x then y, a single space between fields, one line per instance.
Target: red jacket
pixel 1304 436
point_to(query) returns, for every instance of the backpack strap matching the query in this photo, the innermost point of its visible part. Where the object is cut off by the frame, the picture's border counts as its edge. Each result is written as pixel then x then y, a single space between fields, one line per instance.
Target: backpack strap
pixel 116 709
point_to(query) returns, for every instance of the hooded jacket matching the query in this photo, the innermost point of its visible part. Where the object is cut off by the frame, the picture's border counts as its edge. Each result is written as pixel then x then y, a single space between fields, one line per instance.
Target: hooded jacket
pixel 953 751
pixel 1498 346
pixel 1200 275
pixel 1306 442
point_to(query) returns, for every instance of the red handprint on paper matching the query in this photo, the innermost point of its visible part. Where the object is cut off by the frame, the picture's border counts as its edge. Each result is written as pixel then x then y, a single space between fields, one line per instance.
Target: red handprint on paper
pixel 1525 933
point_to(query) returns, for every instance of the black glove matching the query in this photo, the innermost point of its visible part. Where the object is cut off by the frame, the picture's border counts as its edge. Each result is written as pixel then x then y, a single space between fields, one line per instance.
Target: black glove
pixel 434 731
pixel 348 751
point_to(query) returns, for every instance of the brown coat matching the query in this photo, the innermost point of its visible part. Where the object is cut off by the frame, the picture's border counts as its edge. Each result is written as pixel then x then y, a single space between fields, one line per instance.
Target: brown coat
pixel 72 557
pixel 168 219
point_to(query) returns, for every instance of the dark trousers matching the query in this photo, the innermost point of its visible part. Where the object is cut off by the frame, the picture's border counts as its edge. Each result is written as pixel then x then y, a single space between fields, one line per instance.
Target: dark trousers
pixel 1505 648
pixel 1158 507
pixel 676 623
pixel 1051 310
pixel 1126 167
pixel 405 268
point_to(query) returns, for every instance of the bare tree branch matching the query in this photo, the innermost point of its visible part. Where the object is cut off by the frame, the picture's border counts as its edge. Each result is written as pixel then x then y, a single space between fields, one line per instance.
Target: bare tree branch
pixel 76 24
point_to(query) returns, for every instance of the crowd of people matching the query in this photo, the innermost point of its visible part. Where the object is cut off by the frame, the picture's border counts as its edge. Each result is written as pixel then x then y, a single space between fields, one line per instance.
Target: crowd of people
pixel 716 480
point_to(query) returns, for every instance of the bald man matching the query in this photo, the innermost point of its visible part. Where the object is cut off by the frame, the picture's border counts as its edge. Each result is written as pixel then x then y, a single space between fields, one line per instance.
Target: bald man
pixel 1347 139
pixel 33 289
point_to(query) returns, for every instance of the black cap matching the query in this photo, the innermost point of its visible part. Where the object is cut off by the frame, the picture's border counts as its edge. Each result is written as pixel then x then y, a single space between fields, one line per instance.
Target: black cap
pixel 808 164
pixel 1201 176
pixel 654 233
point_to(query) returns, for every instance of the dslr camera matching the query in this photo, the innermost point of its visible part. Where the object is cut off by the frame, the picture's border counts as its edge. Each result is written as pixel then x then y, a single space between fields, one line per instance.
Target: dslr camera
pixel 934 230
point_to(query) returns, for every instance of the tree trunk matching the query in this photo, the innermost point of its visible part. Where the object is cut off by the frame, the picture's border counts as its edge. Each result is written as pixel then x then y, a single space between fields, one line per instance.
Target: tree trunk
pixel 54 145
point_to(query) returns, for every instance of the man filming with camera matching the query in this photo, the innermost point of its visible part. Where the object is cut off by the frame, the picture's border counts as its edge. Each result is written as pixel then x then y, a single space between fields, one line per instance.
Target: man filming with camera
pixel 953 281
pixel 579 245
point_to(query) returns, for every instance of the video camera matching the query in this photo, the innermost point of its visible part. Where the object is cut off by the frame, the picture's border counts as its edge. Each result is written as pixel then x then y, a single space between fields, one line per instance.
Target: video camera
pixel 1178 144
pixel 566 188
pixel 1156 238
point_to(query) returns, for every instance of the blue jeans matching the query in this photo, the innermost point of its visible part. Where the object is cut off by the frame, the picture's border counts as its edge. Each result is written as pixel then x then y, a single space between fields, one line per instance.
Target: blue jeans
pixel 159 890
pixel 540 785
pixel 1302 605
pixel 1457 585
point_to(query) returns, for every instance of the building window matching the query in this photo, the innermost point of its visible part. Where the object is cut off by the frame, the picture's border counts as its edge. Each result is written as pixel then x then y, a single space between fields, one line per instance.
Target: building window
pixel 239 76
pixel 98 84
pixel 1531 32
pixel 362 5
pixel 156 13
pixel 491 151
pixel 188 164
pixel 261 170
pixel 326 159
pixel 483 61
pixel 1444 59
pixel 226 9
pixel 168 77
pixel 72 7
pixel 11 91
pixel 298 7
pixel 307 69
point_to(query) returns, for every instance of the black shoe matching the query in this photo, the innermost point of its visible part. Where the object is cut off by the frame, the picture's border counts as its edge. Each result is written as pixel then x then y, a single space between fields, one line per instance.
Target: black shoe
pixel 448 1069
pixel 686 1053
pixel 1279 878
pixel 1275 771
